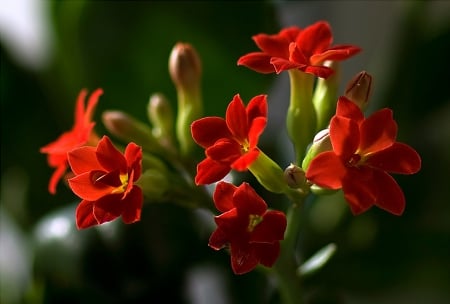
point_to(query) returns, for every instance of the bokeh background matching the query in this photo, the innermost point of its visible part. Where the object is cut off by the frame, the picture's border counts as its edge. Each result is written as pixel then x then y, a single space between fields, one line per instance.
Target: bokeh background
pixel 50 50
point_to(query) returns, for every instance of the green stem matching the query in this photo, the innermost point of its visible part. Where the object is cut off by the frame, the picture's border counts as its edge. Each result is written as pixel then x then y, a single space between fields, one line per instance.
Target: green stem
pixel 301 116
pixel 289 283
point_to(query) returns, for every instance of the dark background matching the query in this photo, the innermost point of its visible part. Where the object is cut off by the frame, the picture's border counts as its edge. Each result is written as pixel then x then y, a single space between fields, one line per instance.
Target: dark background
pixel 123 47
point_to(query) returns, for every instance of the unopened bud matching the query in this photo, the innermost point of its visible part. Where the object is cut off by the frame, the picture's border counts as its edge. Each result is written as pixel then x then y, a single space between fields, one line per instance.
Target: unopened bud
pixel 185 70
pixel 359 89
pixel 294 176
pixel 325 95
pixel 129 129
pixel 161 116
pixel 185 67
pixel 321 143
pixel 154 184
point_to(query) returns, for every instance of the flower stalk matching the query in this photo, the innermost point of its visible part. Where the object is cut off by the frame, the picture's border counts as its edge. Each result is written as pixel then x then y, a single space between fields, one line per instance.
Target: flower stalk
pixel 301 115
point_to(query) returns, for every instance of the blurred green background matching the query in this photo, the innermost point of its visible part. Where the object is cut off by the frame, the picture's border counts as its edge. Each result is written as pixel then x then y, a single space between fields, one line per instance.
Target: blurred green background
pixel 50 50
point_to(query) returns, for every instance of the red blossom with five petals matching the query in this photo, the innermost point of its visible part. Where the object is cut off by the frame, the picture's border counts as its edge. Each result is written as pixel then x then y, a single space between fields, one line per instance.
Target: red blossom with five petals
pixel 104 180
pixel 230 143
pixel 80 134
pixel 364 152
pixel 295 48
pixel 251 232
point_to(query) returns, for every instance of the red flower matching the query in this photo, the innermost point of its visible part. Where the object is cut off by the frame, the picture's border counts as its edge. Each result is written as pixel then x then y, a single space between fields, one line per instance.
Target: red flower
pixel 295 48
pixel 104 179
pixel 251 232
pixel 80 134
pixel 230 143
pixel 364 152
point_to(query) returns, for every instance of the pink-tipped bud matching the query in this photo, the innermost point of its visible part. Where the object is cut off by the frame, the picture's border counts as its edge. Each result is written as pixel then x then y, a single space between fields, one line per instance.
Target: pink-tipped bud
pixel 359 89
pixel 185 67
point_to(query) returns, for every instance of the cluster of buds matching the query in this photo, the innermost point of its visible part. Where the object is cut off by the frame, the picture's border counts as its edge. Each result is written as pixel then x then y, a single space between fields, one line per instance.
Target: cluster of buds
pixel 336 148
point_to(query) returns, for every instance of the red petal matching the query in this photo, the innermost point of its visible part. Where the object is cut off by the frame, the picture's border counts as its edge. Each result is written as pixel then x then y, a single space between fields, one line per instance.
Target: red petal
pixel 79 108
pixel 233 225
pixel 257 107
pixel 223 196
pixel 83 159
pixel 109 157
pixel 210 171
pixel 133 156
pixel 84 215
pixel 83 186
pixel 273 45
pixel 390 196
pixel 248 202
pixel 377 132
pixel 256 128
pixel 224 151
pixel 359 189
pixel 296 55
pixel 259 62
pixel 244 161
pixel 108 208
pixel 236 118
pixel 281 64
pixel 92 103
pixel 398 158
pixel 243 258
pixel 344 135
pixel 315 38
pixel 267 253
pixel 290 33
pixel 336 53
pixel 206 131
pixel 132 206
pixel 319 71
pixel 271 229
pixel 326 170
pixel 218 239
pixel 347 108
pixel 56 176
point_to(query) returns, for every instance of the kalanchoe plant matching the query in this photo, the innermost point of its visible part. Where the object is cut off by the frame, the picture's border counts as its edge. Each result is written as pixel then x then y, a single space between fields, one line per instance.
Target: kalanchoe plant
pixel 342 152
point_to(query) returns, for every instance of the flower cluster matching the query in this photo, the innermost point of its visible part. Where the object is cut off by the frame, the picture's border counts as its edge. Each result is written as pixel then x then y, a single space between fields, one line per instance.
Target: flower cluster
pixel 336 148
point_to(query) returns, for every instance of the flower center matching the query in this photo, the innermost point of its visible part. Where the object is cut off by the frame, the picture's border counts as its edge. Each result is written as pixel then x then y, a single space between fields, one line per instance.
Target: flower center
pixel 124 184
pixel 253 221
pixel 355 160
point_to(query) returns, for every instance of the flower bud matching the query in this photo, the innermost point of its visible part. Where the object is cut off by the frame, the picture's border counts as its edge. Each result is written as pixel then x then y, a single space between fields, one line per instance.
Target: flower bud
pixel 129 129
pixel 325 95
pixel 185 71
pixel 321 143
pixel 294 176
pixel 359 89
pixel 154 184
pixel 185 67
pixel 161 116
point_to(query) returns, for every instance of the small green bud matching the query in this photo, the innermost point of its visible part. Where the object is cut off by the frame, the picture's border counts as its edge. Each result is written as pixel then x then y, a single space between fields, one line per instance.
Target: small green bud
pixel 359 89
pixel 154 184
pixel 325 95
pixel 128 129
pixel 161 116
pixel 321 143
pixel 294 176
